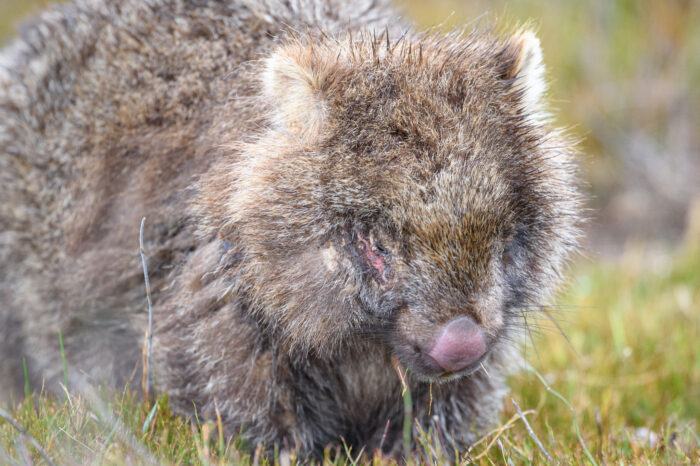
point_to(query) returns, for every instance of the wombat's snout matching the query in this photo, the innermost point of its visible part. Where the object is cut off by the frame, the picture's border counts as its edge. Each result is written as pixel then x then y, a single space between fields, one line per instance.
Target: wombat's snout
pixel 460 343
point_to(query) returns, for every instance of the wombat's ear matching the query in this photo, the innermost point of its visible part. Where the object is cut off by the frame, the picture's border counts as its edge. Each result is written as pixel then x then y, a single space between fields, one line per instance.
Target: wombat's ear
pixel 295 79
pixel 521 61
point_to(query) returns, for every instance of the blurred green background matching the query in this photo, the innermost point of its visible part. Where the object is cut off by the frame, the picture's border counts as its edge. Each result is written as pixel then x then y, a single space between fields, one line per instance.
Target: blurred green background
pixel 624 77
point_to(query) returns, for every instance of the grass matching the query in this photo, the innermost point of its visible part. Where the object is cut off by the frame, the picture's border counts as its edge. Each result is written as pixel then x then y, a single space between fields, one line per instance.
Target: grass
pixel 625 386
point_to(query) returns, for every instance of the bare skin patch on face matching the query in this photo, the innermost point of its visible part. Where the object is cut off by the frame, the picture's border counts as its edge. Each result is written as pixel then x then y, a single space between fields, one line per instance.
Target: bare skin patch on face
pixel 374 258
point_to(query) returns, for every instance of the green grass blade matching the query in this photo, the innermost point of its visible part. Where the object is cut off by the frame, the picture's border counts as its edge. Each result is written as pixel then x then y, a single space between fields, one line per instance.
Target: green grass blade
pixel 149 419
pixel 27 391
pixel 63 359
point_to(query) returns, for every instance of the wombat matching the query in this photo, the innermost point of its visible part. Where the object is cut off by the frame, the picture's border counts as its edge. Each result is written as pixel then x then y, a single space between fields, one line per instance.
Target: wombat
pixel 332 199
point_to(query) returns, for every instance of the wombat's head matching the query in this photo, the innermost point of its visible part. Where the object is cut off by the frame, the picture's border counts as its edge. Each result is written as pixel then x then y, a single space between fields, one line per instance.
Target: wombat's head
pixel 409 193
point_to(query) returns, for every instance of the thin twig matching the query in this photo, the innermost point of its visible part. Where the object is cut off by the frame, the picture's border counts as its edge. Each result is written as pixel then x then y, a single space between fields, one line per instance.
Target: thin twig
pixel 119 429
pixel 61 429
pixel 505 454
pixel 573 416
pixel 401 372
pixel 430 403
pixel 220 427
pixel 257 455
pixel 23 451
pixel 6 416
pixel 424 440
pixel 531 432
pixel 348 453
pixel 485 371
pixel 498 432
pixel 386 429
pixel 147 366
pixel 599 424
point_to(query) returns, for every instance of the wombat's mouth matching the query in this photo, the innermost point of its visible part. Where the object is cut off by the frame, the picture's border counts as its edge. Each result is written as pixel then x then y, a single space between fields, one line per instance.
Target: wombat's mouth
pixel 423 367
pixel 458 349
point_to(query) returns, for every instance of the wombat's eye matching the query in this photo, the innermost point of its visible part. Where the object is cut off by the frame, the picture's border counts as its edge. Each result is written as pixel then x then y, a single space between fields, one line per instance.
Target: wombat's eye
pixel 508 258
pixel 514 249
pixel 374 255
pixel 380 249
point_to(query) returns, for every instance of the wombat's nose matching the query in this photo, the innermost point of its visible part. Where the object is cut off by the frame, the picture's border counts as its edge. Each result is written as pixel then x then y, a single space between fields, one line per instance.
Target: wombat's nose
pixel 460 343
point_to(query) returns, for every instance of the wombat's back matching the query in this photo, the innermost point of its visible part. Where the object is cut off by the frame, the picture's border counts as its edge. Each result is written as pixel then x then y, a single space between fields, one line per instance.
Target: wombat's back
pixel 108 110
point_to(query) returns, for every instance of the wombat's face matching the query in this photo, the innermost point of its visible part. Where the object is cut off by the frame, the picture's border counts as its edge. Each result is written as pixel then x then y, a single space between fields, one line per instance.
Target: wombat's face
pixel 407 195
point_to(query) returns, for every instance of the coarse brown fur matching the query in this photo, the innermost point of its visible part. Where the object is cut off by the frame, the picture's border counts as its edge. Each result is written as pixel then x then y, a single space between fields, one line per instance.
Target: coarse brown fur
pixel 324 188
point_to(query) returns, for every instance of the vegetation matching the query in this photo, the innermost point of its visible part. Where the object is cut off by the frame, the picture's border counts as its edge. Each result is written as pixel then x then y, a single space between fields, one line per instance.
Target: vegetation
pixel 629 367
